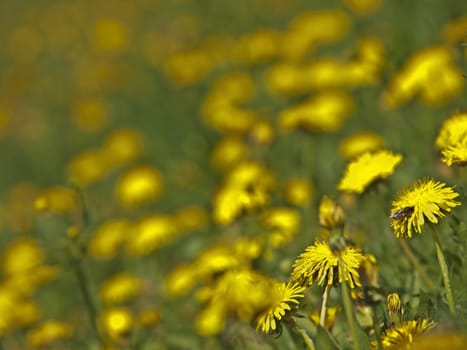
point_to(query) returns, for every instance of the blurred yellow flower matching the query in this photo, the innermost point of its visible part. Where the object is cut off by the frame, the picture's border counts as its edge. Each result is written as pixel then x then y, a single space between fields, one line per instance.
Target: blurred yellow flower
pixel 447 340
pixel 404 335
pixel 26 313
pixel 122 146
pixel 363 7
pixel 286 78
pixel 117 322
pixel 149 318
pixel 320 264
pixel 452 131
pixel 24 43
pixel 228 152
pixel 258 46
pixel 108 238
pixel 189 67
pixel 425 200
pixel 180 280
pixel 305 32
pixel 150 233
pixel 368 168
pixel 22 256
pixel 57 199
pixel 430 73
pixel 245 188
pixel 88 167
pixel 48 333
pixel 110 35
pixel 120 288
pixel 283 223
pixel 330 214
pixel 456 154
pixel 90 114
pixel 211 320
pixel 138 186
pixel 455 30
pixel 297 191
pixel 359 143
pixel 191 218
pixel 281 299
pixel 330 317
pixel 325 111
pixel 261 132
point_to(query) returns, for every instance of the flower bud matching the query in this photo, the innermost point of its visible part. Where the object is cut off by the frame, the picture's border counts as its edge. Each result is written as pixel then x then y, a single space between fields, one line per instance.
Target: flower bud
pixel 331 214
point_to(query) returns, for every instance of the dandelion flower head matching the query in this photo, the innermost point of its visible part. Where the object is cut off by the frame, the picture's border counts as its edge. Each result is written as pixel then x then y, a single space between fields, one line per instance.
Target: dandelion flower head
pixel 368 168
pixel 425 200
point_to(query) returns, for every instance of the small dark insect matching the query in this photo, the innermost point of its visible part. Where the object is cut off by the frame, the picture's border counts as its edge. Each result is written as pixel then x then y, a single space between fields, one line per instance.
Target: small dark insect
pixel 403 213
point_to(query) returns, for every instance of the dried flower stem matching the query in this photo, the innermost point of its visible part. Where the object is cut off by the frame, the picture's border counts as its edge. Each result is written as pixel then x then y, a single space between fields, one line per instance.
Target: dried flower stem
pixel 322 315
pixel 444 271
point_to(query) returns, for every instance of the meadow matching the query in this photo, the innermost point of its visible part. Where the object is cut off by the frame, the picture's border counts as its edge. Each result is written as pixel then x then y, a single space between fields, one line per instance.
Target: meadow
pixel 254 174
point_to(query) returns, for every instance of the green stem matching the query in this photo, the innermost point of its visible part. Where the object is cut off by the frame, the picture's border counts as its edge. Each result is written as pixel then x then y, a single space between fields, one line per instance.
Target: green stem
pixel 348 307
pixel 308 342
pixel 83 283
pixel 444 271
pixel 322 315
pixel 416 263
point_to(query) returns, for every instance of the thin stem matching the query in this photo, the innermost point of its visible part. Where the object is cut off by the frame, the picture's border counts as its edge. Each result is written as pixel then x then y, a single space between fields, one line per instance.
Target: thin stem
pixel 83 283
pixel 348 307
pixel 416 263
pixel 308 342
pixel 444 271
pixel 322 315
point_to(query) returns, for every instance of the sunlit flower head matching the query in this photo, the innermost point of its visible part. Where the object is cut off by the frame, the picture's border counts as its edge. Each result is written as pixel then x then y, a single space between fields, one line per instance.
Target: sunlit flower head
pixel 425 200
pixel 456 154
pixel 117 322
pixel 359 143
pixel 282 298
pixel 320 264
pixel 139 186
pixel 404 335
pixel 180 280
pixel 228 152
pixel 88 167
pixel 453 131
pixel 123 146
pixel 367 169
pixel 258 46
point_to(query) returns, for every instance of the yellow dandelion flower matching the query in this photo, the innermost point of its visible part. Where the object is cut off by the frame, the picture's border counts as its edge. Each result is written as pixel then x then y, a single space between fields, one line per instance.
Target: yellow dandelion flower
pixel 282 298
pixel 319 263
pixel 22 257
pixel 228 152
pixel 110 35
pixel 453 131
pixel 368 168
pixel 123 146
pixel 330 318
pixel 363 7
pixel 455 30
pixel 404 335
pixel 88 167
pixel 211 320
pixel 119 288
pixel 180 280
pixel 425 200
pixel 150 233
pixel 48 332
pixel 117 322
pixel 108 238
pixel 258 46
pixel 138 186
pixel 324 112
pixel 297 191
pixel 359 143
pixel 284 222
pixel 456 154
